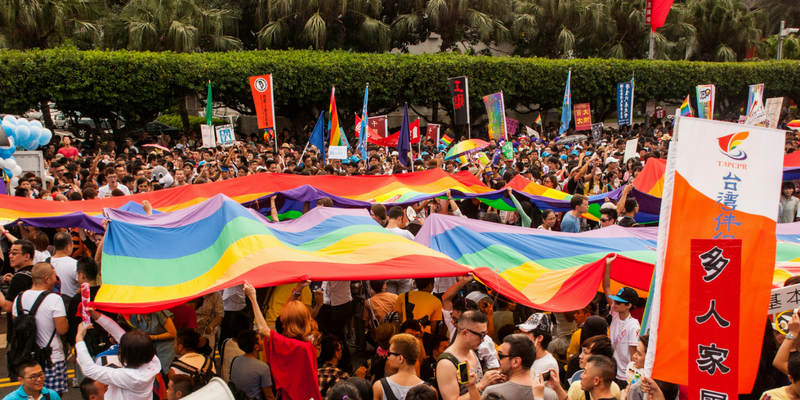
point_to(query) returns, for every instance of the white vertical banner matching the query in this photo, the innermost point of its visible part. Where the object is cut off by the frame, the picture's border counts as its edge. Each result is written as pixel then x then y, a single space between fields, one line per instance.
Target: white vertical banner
pixel 774 106
pixel 209 137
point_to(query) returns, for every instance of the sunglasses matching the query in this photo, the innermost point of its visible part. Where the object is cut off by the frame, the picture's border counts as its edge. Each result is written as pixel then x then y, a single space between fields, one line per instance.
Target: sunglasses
pixel 478 334
pixel 502 356
pixel 393 354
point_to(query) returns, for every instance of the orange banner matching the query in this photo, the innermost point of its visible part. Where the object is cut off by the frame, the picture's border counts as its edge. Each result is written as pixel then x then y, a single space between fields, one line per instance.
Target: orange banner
pixel 261 87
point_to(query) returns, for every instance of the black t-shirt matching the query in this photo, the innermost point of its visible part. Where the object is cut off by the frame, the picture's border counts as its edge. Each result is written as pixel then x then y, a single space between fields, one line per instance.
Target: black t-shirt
pixel 627 222
pixel 20 282
pixel 74 319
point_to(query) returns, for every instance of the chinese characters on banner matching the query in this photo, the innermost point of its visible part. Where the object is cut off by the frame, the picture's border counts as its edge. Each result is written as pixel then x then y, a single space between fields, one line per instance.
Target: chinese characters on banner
pixel 705 101
pixel 774 106
pixel 715 282
pixel 648 15
pixel 459 91
pixel 583 117
pixel 495 110
pixel 624 103
pixel 511 126
pixel 432 132
pixel 725 178
pixel 784 299
pixel 261 87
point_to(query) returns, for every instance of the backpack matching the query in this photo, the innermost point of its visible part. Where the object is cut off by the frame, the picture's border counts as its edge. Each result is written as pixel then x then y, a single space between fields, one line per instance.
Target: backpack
pixel 200 377
pixel 22 343
pixel 238 394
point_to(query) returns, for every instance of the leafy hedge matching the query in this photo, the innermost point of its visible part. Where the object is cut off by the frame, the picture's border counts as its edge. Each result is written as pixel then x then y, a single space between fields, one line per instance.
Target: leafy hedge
pixel 137 85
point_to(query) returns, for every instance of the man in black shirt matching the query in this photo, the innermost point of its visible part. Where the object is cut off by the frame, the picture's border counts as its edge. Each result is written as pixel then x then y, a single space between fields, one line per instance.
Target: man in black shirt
pixel 21 259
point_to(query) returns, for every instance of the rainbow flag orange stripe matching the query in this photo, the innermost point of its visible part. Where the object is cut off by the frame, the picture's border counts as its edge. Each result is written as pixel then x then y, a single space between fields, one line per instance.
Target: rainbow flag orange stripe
pixel 333 126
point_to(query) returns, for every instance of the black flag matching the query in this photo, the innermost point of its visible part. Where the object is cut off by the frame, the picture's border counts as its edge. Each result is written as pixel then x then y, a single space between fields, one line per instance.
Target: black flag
pixel 459 91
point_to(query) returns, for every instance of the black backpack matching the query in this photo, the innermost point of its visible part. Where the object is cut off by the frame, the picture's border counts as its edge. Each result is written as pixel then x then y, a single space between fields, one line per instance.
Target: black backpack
pixel 22 344
pixel 200 377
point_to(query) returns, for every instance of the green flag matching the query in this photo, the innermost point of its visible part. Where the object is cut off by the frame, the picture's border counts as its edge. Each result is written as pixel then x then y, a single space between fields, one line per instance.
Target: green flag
pixel 209 108
pixel 508 150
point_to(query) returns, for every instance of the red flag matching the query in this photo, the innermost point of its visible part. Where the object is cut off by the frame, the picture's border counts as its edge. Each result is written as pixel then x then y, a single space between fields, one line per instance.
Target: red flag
pixel 414 131
pixel 432 132
pixel 660 9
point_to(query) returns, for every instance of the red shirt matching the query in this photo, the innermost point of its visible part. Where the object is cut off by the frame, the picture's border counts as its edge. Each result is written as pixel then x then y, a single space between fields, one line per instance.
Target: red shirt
pixel 70 153
pixel 294 367
pixel 183 316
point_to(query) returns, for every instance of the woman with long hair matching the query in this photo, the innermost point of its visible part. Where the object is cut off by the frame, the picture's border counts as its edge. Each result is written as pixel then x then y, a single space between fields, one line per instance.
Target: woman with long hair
pixel 292 355
pixel 140 364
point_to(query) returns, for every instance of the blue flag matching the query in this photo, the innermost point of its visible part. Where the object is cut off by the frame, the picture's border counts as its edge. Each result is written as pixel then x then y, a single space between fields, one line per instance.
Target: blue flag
pixel 566 108
pixel 318 136
pixel 624 103
pixel 404 142
pixel 364 123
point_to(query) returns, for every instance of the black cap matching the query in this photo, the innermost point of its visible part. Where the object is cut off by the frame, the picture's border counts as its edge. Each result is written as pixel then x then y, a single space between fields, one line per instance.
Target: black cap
pixel 626 295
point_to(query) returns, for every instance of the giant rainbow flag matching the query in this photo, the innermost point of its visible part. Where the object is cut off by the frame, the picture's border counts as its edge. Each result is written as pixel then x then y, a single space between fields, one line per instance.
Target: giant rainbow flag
pixel 154 262
pixel 560 271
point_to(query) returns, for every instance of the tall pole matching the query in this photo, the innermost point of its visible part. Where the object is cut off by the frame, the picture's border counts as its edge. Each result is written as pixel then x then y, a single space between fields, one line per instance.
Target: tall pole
pixel 780 40
pixel 652 44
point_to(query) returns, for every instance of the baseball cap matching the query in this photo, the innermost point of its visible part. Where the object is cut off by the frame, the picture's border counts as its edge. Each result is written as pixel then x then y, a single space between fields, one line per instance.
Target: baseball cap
pixel 395 153
pixel 564 157
pixel 575 152
pixel 537 321
pixel 626 295
pixel 610 160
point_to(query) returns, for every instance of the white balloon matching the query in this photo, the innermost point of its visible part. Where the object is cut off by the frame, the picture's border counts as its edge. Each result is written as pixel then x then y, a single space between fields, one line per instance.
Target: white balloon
pixel 10 164
pixel 36 123
pixel 14 182
pixel 11 119
pixel 23 122
pixel 16 171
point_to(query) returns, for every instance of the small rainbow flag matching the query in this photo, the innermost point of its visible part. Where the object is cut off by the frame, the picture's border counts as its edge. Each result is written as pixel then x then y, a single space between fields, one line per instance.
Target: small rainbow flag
pixel 538 119
pixel 333 124
pixel 446 140
pixel 686 109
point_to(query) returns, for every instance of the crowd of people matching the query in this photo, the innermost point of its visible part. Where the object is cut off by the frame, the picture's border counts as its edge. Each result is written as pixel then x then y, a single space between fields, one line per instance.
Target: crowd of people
pixel 426 338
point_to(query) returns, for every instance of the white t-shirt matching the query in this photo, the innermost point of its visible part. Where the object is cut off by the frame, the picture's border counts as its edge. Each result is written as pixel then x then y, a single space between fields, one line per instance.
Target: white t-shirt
pixel 623 334
pixel 402 232
pixel 543 365
pixel 40 256
pixel 105 191
pixel 52 307
pixel 67 271
pixel 336 293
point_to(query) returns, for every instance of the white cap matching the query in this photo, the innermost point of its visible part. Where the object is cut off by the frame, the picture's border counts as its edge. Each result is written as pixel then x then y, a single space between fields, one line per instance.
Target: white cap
pixel 394 153
pixel 610 160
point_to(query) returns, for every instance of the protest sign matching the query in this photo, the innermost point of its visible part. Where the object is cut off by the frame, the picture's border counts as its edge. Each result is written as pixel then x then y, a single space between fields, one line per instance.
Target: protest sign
pixel 225 134
pixel 209 138
pixel 583 117
pixel 630 149
pixel 773 111
pixel 624 103
pixel 337 152
pixel 459 92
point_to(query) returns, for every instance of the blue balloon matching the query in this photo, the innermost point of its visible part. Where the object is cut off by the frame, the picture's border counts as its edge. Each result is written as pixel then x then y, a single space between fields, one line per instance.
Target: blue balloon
pixel 36 123
pixel 35 133
pixel 10 119
pixel 22 132
pixel 23 122
pixel 47 134
pixel 8 173
pixel 32 144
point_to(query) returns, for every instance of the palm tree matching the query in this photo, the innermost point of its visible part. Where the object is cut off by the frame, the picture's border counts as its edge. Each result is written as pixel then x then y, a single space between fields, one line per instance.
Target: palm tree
pixel 470 21
pixel 555 28
pixel 777 11
pixel 322 24
pixel 26 24
pixel 721 30
pixel 181 26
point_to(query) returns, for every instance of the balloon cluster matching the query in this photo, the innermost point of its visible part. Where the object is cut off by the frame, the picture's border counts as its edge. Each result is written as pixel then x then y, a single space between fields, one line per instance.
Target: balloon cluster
pixel 21 133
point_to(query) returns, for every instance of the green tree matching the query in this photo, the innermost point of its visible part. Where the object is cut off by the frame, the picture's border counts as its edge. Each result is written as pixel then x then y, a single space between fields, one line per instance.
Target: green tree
pixel 321 24
pixel 554 28
pixel 26 24
pixel 721 30
pixel 777 11
pixel 469 21
pixel 182 26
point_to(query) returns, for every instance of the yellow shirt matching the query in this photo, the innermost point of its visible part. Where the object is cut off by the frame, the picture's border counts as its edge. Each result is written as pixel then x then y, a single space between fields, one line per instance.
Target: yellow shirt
pixel 280 295
pixel 776 394
pixel 424 304
pixel 574 344
pixel 576 393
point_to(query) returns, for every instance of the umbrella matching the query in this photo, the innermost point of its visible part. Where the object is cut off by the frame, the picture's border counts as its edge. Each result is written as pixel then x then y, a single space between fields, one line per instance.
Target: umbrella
pixel 795 124
pixel 571 139
pixel 465 147
pixel 158 146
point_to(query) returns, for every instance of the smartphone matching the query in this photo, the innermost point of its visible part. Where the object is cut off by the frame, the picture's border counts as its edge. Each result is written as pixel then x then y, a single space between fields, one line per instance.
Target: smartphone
pixel 463 373
pixel 546 376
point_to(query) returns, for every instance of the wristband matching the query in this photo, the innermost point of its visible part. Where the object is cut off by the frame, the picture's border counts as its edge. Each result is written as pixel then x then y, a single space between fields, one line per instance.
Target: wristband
pixel 790 336
pixel 297 293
